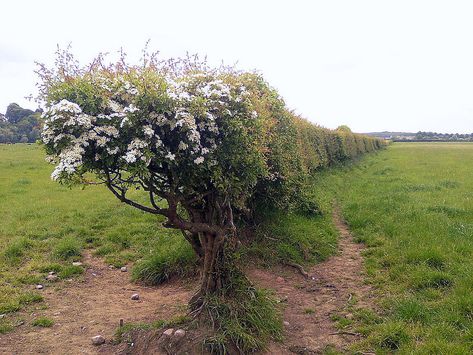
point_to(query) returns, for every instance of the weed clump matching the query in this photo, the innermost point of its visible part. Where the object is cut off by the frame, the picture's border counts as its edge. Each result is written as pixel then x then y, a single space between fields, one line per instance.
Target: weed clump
pixel 245 318
pixel 43 322
pixel 67 248
pixel 16 249
pixel 173 260
pixel 392 336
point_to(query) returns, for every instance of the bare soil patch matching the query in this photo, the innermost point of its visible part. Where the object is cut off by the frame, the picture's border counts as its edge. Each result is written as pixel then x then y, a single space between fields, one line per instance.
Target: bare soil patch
pixel 94 305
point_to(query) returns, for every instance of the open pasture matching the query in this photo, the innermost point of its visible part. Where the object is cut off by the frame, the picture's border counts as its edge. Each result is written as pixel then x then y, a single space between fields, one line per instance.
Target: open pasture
pixel 412 205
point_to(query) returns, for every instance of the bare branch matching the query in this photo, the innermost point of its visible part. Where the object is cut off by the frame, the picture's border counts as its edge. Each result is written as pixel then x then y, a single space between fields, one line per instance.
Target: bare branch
pixel 122 197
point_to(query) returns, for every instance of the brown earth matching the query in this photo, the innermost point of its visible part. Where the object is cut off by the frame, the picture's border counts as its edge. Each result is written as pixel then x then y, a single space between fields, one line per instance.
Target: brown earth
pixel 311 303
pixel 94 305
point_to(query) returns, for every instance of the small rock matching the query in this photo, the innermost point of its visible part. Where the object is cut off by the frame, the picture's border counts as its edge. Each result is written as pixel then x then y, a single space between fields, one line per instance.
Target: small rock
pixel 180 333
pixel 168 332
pixel 286 323
pixel 94 274
pixel 2 316
pixel 135 297
pixel 39 287
pixel 76 263
pixel 98 340
pixel 111 267
pixel 280 279
pixel 51 273
pixel 123 269
pixel 51 277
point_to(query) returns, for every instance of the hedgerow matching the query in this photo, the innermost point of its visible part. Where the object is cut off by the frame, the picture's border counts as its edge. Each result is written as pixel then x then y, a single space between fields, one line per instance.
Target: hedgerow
pixel 205 144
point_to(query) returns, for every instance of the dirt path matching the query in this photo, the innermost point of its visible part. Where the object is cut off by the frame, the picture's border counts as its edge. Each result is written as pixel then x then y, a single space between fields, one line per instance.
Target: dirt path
pixel 311 304
pixel 84 308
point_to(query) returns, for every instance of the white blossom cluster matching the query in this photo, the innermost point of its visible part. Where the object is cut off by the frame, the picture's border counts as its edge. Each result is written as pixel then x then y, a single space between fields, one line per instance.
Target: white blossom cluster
pixel 126 133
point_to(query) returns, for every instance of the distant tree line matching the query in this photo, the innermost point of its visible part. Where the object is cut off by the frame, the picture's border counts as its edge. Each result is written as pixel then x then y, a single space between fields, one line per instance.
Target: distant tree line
pixel 20 125
pixel 434 136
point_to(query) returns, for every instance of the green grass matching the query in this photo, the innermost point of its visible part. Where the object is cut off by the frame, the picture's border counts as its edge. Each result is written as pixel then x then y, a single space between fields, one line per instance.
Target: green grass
pixel 247 318
pixel 283 236
pixel 412 205
pixel 165 262
pixel 46 226
pixel 42 322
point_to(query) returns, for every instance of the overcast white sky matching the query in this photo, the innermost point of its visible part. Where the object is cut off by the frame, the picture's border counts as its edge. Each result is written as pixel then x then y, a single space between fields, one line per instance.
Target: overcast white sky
pixel 373 65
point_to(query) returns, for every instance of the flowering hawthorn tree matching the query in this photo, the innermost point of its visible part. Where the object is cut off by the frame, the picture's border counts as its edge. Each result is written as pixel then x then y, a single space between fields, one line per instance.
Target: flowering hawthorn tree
pixel 188 135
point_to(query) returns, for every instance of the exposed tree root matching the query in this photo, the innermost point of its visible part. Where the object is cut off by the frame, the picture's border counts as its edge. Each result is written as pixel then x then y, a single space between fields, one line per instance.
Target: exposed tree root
pixel 298 268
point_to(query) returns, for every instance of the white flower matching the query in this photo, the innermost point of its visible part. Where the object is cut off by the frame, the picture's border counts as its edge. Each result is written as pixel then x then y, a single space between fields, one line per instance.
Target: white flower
pixel 199 160
pixel 170 156
pixel 69 160
pixel 64 106
pixel 124 122
pixel 148 131
pixel 113 151
pixel 132 91
pixel 130 156
pixel 131 108
pixel 108 130
pixel 182 146
pixel 254 114
pixel 115 106
pixel 102 141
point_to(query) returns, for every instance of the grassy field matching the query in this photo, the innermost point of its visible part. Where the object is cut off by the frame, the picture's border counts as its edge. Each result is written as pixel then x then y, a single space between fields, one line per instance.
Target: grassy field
pixel 412 205
pixel 45 227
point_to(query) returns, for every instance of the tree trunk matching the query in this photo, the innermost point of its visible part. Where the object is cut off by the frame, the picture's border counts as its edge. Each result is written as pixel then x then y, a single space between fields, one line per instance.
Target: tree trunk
pixel 215 270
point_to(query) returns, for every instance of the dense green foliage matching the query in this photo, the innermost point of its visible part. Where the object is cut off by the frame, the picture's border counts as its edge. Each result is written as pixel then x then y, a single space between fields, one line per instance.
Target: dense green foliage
pixel 19 125
pixel 184 132
pixel 412 205
pixel 300 149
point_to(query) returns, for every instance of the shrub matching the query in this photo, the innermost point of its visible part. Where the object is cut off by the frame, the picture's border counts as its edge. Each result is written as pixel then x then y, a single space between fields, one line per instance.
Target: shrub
pixel 205 144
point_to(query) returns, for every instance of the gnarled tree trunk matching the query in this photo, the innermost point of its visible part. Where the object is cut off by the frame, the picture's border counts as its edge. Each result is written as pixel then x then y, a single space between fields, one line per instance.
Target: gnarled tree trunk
pixel 215 269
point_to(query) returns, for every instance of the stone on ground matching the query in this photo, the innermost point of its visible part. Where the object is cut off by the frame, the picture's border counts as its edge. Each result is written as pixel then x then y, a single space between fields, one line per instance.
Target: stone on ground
pixel 98 340
pixel 168 332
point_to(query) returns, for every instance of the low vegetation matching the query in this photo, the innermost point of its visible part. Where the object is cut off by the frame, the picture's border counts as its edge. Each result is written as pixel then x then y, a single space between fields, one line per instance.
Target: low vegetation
pixel 411 206
pixel 42 322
